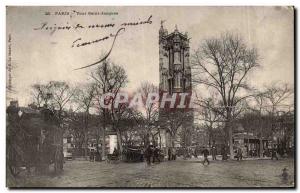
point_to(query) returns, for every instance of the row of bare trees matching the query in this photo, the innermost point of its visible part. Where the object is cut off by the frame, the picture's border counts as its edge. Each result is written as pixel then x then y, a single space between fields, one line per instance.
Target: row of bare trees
pixel 222 67
pixel 82 114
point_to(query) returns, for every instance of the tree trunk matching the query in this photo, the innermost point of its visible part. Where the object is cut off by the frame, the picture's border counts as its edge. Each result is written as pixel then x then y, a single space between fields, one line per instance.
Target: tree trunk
pixel 119 142
pixel 85 135
pixel 103 145
pixel 153 140
pixel 173 141
pixel 85 146
pixel 230 141
pixel 159 139
pixel 147 141
pixel 260 147
pixel 210 134
pixel 58 158
pixel 230 132
pixel 260 141
pixel 209 139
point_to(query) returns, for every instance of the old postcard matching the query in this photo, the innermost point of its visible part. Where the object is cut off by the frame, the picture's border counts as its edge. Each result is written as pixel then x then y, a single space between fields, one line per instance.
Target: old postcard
pixel 150 97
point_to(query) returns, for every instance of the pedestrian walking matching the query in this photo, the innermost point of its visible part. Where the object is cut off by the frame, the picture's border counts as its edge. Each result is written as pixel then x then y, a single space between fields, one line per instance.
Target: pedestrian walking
pixel 173 153
pixel 214 152
pixel 239 154
pixel 156 155
pixel 205 155
pixel 169 154
pixel 148 154
pixel 285 175
pixel 92 155
pixel 185 153
pixel 190 152
pixel 116 152
pixel 97 155
pixel 224 153
pixel 195 153
pixel 274 154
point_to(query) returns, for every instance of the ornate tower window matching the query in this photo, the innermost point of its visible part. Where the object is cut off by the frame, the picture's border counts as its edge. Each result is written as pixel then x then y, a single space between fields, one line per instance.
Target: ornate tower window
pixel 176 58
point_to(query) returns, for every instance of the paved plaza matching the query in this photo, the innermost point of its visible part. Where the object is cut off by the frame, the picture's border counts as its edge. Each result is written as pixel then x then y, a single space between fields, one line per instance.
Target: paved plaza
pixel 179 173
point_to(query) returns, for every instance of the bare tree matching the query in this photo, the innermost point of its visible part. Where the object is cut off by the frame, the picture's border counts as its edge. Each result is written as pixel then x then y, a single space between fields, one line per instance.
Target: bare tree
pixel 173 121
pixel 84 98
pixel 279 99
pixel 133 128
pixel 55 95
pixel 109 78
pixel 223 64
pixel 150 111
pixel 264 107
pixel 61 94
pixel 40 94
pixel 209 113
pixel 277 95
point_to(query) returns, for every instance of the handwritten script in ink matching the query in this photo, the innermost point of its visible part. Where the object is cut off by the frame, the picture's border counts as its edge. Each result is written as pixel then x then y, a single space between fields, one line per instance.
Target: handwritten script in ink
pixel 80 42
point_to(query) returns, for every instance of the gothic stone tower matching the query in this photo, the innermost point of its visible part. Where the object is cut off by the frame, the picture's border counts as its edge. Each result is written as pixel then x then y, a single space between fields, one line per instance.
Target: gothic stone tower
pixel 174 64
pixel 175 75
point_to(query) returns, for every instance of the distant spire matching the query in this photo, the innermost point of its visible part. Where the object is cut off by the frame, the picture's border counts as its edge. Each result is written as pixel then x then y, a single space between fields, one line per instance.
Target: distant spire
pixel 176 29
pixel 162 23
pixel 161 30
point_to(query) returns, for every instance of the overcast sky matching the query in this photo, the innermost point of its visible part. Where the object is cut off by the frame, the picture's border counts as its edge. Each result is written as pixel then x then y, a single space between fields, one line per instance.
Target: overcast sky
pixel 40 56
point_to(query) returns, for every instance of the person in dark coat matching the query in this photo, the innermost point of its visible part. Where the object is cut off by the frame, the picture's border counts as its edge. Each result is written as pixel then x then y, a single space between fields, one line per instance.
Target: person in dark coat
pixel 169 154
pixel 92 155
pixel 285 175
pixel 205 154
pixel 173 154
pixel 195 153
pixel 274 154
pixel 116 152
pixel 224 153
pixel 214 152
pixel 148 155
pixel 156 155
pixel 239 154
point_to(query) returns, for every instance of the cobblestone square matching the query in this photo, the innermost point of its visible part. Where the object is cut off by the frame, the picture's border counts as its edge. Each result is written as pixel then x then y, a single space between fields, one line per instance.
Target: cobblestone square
pixel 179 173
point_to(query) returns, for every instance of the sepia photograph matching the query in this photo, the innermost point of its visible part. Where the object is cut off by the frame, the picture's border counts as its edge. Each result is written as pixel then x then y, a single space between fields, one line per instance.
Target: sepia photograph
pixel 150 97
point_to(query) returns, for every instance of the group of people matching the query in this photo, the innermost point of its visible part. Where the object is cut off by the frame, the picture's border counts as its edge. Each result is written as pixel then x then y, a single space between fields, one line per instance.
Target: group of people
pixel 95 155
pixel 171 153
pixel 152 154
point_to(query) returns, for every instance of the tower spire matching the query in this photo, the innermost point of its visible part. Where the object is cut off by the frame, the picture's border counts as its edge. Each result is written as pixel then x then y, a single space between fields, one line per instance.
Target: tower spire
pixel 162 23
pixel 161 30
